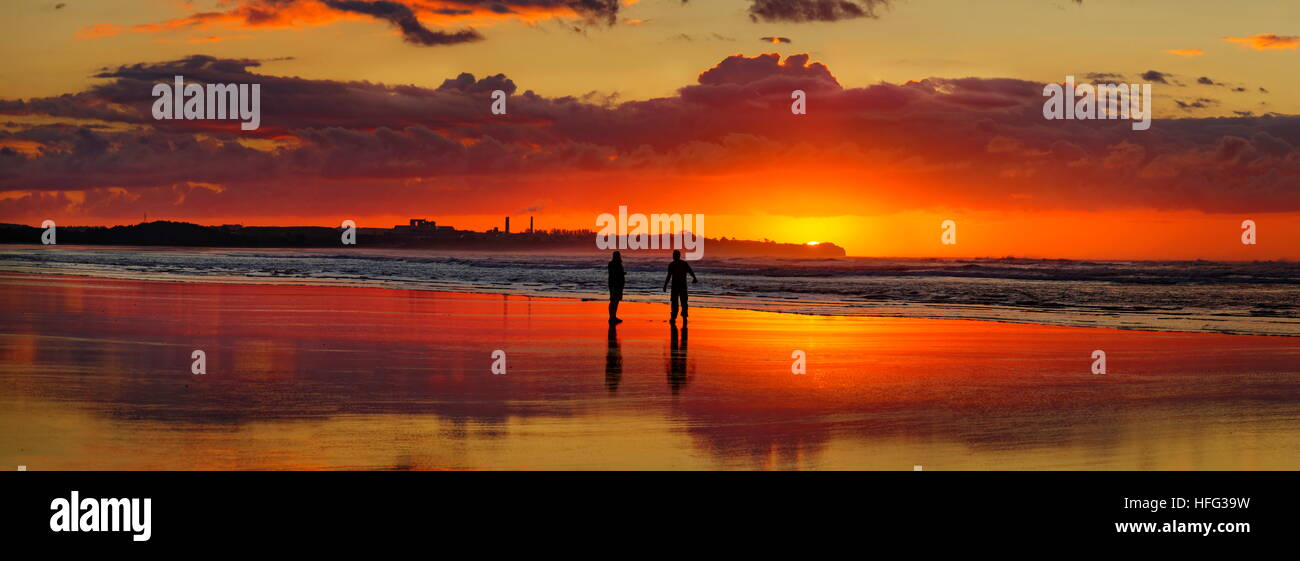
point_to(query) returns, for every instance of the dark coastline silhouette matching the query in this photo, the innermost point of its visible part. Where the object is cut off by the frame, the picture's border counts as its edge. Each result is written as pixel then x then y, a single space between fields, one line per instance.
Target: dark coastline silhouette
pixel 184 234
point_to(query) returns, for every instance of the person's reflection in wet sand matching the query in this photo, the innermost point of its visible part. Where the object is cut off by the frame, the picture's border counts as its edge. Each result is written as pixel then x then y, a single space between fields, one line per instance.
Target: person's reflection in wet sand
pixel 613 360
pixel 677 360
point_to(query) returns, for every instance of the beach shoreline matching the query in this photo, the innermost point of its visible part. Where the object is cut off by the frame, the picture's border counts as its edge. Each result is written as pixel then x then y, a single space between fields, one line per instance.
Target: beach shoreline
pixel 1127 320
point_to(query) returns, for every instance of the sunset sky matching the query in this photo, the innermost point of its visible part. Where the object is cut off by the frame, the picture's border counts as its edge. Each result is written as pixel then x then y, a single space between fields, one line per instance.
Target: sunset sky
pixel 918 111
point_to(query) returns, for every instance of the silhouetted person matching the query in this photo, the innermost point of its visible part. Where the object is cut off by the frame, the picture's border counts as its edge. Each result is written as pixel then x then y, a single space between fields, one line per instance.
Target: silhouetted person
pixel 613 361
pixel 617 278
pixel 677 359
pixel 677 271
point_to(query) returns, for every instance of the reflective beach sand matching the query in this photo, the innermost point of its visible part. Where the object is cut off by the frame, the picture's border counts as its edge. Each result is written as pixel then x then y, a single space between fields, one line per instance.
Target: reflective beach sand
pixel 95 374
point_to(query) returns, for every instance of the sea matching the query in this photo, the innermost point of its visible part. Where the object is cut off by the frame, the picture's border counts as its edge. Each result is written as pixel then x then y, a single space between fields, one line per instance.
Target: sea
pixel 1256 298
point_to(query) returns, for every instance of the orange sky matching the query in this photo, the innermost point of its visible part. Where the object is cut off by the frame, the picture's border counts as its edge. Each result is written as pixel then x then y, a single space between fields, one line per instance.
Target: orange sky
pixel 670 108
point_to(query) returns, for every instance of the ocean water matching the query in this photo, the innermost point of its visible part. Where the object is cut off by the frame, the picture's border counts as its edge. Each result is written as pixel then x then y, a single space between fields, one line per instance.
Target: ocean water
pixel 1258 298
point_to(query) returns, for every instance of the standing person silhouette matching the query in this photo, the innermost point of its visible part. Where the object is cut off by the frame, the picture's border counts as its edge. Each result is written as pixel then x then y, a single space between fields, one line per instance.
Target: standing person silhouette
pixel 677 271
pixel 617 278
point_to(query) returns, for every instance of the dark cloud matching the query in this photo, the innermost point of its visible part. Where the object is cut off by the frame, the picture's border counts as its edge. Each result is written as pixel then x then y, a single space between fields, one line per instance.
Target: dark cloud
pixel 814 10
pixel 605 11
pixel 1205 81
pixel 1105 76
pixel 1156 76
pixel 466 83
pixel 742 70
pixel 404 19
pixel 709 37
pixel 1198 103
pixel 774 39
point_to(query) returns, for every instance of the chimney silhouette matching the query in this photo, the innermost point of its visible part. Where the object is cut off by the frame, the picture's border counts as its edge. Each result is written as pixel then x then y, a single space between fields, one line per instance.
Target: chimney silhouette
pixel 507 224
pixel 530 224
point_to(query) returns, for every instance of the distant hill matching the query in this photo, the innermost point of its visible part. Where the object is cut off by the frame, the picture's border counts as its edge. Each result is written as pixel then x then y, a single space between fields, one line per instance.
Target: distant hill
pixel 184 234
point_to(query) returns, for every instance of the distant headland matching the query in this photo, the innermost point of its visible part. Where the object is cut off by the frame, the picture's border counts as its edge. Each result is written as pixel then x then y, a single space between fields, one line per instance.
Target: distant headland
pixel 417 234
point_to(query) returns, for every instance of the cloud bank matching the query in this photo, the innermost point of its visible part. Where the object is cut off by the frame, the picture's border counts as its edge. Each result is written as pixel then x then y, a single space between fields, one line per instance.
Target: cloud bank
pixel 412 18
pixel 337 146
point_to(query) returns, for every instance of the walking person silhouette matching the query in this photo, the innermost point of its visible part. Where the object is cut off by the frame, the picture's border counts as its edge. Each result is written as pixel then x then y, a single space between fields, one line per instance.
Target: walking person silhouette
pixel 677 271
pixel 617 278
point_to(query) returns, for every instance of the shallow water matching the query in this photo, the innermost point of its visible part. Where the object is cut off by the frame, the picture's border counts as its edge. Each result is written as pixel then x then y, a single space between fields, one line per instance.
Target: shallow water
pixel 95 374
pixel 1248 298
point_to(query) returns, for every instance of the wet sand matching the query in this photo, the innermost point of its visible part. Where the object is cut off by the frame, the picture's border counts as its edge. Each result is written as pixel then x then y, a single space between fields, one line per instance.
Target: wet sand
pixel 95 374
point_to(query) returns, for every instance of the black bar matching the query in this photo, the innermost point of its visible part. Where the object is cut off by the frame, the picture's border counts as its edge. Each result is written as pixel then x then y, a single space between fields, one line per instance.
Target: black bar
pixel 320 511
